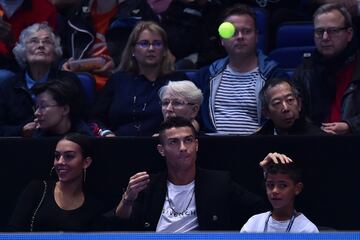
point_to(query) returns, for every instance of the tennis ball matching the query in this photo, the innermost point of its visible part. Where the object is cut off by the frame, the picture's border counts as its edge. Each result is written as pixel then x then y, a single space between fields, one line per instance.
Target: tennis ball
pixel 226 30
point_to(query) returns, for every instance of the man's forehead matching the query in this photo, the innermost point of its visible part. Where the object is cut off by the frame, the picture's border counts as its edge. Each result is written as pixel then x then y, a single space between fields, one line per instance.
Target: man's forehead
pixel 178 132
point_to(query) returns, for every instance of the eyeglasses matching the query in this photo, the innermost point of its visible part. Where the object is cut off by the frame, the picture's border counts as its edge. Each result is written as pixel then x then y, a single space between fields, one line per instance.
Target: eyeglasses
pixel 174 103
pixel 144 44
pixel 43 107
pixel 36 42
pixel 332 31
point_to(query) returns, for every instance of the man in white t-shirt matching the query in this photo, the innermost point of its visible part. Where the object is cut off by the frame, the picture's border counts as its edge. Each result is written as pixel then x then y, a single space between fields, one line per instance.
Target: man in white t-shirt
pixel 185 198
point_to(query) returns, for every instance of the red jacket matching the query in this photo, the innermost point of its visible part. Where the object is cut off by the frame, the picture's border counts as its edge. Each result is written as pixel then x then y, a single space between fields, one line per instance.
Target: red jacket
pixel 30 12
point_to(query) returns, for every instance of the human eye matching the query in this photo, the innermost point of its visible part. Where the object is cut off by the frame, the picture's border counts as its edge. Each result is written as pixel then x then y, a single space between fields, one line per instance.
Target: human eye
pixel 189 140
pixel 143 44
pixel 246 31
pixel 177 103
pixel 165 103
pixel 157 44
pixel 33 41
pixel 69 155
pixel 57 156
pixel 319 31
pixel 276 103
pixel 282 185
pixel 290 100
pixel 269 185
pixel 172 142
pixel 48 41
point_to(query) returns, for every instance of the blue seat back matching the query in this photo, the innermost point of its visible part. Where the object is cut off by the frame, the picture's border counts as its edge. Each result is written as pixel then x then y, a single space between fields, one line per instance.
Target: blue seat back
pixel 295 34
pixel 290 57
pixel 261 22
pixel 88 84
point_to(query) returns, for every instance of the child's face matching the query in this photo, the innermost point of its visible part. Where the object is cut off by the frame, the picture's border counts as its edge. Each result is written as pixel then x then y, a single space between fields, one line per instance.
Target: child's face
pixel 281 190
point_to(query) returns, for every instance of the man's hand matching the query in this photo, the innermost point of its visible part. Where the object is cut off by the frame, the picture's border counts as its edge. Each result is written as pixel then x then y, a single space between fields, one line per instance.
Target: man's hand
pixel 5 29
pixel 274 158
pixel 137 183
pixel 336 128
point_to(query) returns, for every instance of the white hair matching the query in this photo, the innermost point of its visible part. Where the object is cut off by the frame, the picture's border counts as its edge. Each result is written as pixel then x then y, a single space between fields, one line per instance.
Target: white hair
pixel 20 47
pixel 184 88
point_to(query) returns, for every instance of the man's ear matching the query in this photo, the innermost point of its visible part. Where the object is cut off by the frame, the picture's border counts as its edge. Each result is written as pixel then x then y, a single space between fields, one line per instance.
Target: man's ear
pixel 299 103
pixel 298 188
pixel 160 149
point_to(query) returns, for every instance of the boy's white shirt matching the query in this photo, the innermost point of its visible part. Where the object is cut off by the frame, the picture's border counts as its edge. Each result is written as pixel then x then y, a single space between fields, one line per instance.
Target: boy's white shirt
pixel 256 224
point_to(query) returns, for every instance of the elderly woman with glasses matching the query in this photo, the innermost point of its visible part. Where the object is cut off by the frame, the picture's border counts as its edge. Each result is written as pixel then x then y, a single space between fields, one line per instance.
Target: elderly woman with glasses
pixel 129 104
pixel 182 99
pixel 37 52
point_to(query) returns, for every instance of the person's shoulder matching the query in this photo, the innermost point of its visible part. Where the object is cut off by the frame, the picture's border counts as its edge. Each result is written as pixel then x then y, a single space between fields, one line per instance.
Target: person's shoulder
pixel 36 186
pixel 212 175
pixel 259 216
pixel 254 223
pixel 303 224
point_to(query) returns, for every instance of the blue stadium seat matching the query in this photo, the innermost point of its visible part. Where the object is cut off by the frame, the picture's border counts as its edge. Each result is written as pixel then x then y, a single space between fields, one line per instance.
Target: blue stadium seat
pixel 261 22
pixel 290 57
pixel 88 84
pixel 295 34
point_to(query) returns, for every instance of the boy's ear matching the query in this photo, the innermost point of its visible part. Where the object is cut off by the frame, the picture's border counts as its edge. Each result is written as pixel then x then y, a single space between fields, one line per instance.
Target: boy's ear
pixel 298 188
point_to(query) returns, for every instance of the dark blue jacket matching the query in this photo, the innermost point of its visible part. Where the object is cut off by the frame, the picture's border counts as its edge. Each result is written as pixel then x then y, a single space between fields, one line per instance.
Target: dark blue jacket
pixel 208 80
pixel 129 104
pixel 17 105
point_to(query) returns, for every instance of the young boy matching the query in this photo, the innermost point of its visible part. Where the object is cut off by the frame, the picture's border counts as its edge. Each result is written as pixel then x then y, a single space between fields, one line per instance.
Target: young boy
pixel 283 184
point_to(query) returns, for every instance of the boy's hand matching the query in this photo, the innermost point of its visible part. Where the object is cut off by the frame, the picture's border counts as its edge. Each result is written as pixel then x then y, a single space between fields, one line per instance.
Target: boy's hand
pixel 274 158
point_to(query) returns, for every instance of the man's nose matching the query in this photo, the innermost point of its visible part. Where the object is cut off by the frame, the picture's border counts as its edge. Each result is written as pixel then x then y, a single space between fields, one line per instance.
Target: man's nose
pixel 325 35
pixel 285 106
pixel 182 146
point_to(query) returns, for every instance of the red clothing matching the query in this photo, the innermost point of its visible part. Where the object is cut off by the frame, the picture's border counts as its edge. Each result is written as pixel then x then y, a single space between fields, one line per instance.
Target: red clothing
pixel 39 11
pixel 101 24
pixel 342 82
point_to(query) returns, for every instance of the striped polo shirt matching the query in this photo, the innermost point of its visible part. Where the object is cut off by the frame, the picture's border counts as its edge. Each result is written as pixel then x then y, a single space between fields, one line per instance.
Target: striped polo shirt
pixel 235 106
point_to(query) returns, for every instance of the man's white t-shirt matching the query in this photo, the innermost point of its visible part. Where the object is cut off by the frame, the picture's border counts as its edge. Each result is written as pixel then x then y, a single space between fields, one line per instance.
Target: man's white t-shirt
pixel 180 198
pixel 257 222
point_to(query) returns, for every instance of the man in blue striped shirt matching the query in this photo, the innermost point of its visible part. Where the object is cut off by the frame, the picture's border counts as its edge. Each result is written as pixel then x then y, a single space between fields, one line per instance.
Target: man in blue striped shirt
pixel 231 85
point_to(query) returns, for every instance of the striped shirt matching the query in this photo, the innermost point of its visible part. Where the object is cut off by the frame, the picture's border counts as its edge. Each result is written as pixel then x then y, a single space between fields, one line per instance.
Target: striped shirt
pixel 235 107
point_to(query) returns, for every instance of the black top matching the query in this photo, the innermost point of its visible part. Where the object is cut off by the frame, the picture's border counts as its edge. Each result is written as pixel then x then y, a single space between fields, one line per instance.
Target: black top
pixel 50 217
pixel 300 127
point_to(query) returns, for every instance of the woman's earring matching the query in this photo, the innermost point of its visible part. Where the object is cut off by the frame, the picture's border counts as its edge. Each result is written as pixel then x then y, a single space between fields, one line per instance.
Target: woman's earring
pixel 51 171
pixel 84 174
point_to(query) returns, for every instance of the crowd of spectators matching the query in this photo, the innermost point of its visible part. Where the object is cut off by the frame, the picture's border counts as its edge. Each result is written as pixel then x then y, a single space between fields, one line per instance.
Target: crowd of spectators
pixel 138 53
pixel 131 49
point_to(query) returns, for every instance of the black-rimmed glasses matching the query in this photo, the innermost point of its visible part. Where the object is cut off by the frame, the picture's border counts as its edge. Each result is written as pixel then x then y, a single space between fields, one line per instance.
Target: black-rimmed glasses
pixel 331 31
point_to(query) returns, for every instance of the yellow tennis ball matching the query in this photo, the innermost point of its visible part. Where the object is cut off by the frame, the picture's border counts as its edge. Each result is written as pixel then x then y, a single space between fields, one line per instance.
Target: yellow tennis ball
pixel 226 30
